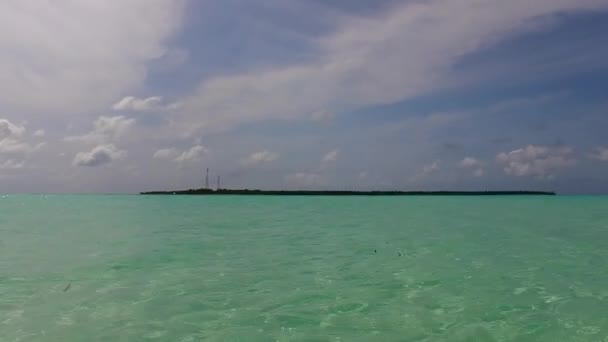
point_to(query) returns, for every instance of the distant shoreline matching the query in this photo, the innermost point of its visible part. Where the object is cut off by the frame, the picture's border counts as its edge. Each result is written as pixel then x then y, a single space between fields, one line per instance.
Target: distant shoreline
pixel 210 192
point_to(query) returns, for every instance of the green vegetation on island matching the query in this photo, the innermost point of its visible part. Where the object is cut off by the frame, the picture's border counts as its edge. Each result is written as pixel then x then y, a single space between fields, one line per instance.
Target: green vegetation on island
pixel 343 193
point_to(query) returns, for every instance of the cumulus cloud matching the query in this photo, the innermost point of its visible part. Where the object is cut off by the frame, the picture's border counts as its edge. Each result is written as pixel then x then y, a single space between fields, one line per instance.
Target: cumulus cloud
pixel 13 143
pixel 537 161
pixel 150 104
pixel 10 130
pixel 20 147
pixel 11 164
pixel 195 153
pixel 600 153
pixel 331 156
pixel 315 176
pixel 100 155
pixel 470 162
pixel 353 69
pixel 260 158
pixel 473 164
pixel 432 167
pixel 39 133
pixel 79 55
pixel 166 153
pixel 106 129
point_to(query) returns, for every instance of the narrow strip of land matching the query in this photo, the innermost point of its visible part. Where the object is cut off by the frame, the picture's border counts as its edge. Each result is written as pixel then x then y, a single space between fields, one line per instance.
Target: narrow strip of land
pixel 344 193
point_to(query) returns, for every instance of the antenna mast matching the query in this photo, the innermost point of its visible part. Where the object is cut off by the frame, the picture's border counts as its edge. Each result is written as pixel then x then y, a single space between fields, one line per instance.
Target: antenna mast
pixel 218 182
pixel 207 179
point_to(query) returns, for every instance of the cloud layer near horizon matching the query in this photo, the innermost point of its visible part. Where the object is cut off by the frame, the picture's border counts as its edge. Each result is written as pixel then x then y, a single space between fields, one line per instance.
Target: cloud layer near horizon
pixel 142 92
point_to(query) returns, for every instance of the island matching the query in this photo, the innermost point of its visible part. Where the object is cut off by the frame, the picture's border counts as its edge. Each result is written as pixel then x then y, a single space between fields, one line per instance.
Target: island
pixel 205 191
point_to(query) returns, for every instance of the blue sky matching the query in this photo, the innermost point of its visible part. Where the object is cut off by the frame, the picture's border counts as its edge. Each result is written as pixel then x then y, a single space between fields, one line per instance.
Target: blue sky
pixel 126 96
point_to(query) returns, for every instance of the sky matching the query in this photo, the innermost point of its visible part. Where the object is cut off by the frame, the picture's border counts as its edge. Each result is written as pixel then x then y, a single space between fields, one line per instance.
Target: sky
pixel 137 95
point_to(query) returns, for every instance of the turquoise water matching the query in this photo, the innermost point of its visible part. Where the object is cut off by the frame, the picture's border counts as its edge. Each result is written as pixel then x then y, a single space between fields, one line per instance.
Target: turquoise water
pixel 303 268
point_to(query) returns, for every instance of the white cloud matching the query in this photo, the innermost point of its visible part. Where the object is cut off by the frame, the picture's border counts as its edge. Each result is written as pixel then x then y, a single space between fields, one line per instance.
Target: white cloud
pixel 426 171
pixel 469 162
pixel 538 161
pixel 112 127
pixel 74 56
pixel 193 154
pixel 305 179
pixel 12 139
pixel 10 130
pixel 154 103
pixel 260 158
pixel 601 153
pixel 431 168
pixel 16 146
pixel 11 164
pixel 331 156
pixel 106 129
pixel 476 165
pixel 138 105
pixel 39 133
pixel 100 155
pixel 354 69
pixel 166 153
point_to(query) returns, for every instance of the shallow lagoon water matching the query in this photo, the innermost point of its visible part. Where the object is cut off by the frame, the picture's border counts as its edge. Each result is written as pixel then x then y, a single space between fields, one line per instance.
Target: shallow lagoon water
pixel 179 268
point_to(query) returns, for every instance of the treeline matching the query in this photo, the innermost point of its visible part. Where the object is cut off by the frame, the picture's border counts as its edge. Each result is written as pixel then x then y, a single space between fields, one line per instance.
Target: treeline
pixel 343 193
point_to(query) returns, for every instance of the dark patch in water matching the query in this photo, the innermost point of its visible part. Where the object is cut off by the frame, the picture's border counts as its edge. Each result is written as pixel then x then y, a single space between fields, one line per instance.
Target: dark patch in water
pixel 67 287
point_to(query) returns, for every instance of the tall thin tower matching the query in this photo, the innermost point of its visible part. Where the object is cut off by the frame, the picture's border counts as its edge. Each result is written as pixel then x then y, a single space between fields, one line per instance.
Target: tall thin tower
pixel 218 182
pixel 207 179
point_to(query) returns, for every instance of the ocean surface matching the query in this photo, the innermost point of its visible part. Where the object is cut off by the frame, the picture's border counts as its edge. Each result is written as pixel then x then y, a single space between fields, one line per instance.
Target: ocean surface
pixel 135 268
